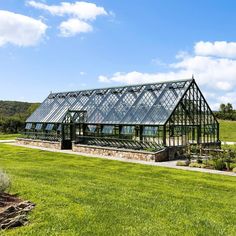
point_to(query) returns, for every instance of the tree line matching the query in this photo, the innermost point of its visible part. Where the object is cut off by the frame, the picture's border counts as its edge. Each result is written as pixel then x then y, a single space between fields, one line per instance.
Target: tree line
pixel 13 115
pixel 226 112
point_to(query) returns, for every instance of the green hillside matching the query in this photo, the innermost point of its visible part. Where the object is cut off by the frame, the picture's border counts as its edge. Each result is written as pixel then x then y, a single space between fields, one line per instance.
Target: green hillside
pixel 227 130
pixel 13 115
pixel 14 108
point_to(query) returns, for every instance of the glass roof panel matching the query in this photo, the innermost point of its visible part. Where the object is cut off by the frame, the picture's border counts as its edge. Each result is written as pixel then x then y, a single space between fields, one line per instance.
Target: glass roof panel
pixel 138 104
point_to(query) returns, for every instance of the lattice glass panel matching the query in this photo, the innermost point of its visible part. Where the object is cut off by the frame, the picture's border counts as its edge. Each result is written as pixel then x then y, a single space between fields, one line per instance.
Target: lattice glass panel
pixel 128 105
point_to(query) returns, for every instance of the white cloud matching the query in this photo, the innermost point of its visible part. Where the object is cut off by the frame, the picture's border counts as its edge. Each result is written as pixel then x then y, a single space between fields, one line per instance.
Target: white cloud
pixel 227 97
pixel 223 85
pixel 20 30
pixel 79 13
pixel 103 79
pixel 72 27
pixel 215 75
pixel 136 77
pixel 81 10
pixel 218 49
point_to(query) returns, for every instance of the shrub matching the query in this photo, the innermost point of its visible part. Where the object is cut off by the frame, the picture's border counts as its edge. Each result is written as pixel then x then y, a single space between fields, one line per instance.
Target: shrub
pixel 233 165
pixel 197 165
pixel 194 164
pixel 234 169
pixel 4 182
pixel 204 166
pixel 182 163
pixel 219 164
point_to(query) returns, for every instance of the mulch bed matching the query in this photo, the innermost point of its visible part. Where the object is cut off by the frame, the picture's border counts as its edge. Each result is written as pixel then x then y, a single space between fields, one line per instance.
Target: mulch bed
pixel 13 211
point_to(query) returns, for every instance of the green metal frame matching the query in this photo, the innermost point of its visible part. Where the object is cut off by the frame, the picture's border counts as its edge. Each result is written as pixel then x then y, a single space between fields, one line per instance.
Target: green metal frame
pixel 189 120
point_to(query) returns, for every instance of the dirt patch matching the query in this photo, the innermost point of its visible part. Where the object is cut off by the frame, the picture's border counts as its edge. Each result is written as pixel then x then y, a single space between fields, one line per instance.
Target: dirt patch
pixel 13 211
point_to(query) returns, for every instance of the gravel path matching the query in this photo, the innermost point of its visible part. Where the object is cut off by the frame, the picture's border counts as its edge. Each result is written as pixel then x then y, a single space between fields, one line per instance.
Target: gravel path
pixel 168 164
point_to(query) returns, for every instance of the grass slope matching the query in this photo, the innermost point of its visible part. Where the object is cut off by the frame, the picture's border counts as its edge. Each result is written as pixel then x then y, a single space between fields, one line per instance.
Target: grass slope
pixel 89 196
pixel 227 130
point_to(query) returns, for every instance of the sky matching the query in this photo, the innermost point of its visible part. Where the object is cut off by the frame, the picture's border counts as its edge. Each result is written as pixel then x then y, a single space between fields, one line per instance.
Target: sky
pixel 51 45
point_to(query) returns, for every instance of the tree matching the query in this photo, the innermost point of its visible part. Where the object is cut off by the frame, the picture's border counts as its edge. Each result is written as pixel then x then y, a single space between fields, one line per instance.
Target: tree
pixel 222 107
pixel 228 108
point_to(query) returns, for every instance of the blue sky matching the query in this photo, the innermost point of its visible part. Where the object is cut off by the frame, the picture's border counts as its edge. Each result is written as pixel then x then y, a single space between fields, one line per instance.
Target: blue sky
pixel 53 46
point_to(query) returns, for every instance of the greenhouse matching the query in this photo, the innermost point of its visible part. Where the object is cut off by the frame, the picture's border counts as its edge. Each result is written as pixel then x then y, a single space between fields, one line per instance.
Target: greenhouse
pixel 140 117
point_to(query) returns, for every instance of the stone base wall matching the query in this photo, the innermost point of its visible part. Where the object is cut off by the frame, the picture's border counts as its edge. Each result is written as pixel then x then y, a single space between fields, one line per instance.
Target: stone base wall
pixel 123 153
pixel 39 143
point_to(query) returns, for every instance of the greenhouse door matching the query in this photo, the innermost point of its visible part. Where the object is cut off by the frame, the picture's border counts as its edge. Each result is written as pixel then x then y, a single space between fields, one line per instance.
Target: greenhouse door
pixel 193 134
pixel 71 119
pixel 67 131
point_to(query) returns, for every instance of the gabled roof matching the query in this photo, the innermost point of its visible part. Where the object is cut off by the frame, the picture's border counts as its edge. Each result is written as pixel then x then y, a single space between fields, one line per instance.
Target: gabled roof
pixel 150 104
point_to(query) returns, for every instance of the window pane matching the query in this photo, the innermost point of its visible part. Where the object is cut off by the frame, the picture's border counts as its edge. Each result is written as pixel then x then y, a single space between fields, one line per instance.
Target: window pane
pixel 28 126
pixel 38 126
pixel 92 128
pixel 127 130
pixel 49 127
pixel 107 129
pixel 150 130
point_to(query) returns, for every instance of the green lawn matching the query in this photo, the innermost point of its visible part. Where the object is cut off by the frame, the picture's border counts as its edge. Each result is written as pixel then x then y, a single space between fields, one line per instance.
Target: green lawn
pixel 8 136
pixel 89 196
pixel 227 130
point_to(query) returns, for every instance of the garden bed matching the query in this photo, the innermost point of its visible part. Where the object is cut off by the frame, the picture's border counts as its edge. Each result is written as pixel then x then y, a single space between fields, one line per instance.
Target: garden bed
pixel 217 159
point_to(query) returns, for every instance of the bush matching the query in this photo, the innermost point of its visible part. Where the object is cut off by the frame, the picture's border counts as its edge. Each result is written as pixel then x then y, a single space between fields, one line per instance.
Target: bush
pixel 234 169
pixel 219 164
pixel 182 163
pixel 197 165
pixel 233 165
pixel 4 182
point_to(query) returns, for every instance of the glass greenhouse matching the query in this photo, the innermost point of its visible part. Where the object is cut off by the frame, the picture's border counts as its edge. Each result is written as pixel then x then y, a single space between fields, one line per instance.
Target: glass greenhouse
pixel 145 116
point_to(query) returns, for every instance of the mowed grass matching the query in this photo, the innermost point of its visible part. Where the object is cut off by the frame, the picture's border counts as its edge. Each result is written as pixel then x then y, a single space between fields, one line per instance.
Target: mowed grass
pixel 8 136
pixel 89 196
pixel 227 130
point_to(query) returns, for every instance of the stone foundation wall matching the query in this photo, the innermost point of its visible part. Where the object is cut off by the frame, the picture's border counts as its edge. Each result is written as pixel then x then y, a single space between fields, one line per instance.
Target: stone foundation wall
pixel 123 153
pixel 39 143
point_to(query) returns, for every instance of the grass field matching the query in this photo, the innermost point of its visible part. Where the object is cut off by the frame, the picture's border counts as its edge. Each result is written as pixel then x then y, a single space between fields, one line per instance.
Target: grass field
pixel 227 130
pixel 8 136
pixel 89 196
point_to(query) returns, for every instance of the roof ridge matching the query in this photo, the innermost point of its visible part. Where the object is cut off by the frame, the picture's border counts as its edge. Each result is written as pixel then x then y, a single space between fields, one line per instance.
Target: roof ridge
pixel 124 86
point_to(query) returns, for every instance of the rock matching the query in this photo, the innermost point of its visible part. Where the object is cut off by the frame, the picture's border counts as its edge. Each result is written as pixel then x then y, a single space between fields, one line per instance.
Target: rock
pixel 15 215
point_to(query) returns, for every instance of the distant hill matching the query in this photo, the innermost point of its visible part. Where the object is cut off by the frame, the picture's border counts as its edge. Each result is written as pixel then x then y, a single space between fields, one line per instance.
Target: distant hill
pixel 14 108
pixel 13 115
